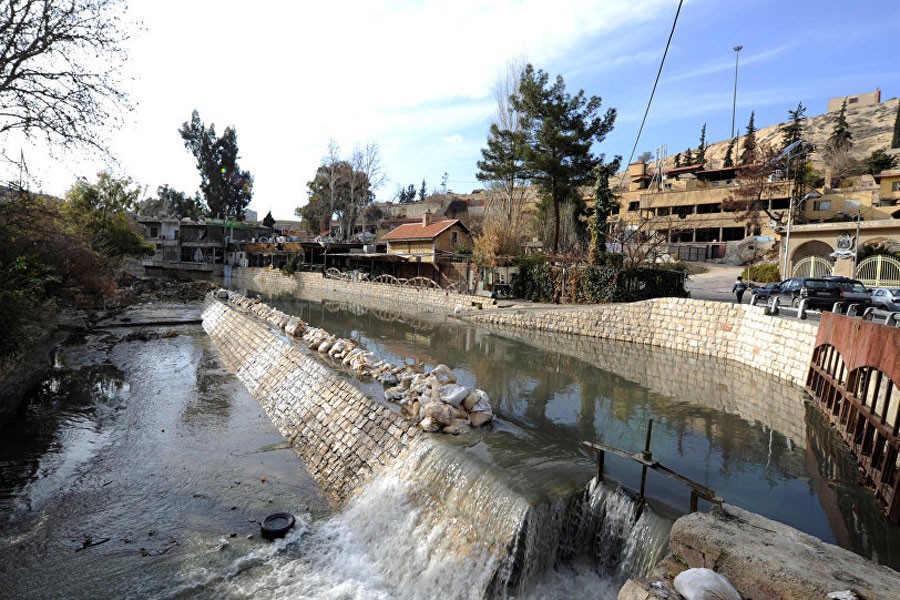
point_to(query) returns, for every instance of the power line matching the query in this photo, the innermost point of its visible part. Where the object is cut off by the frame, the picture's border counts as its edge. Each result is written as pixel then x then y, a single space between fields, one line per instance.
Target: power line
pixel 655 83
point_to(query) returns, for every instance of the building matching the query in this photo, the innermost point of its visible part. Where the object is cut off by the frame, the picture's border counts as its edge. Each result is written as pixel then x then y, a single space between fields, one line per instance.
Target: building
pixel 428 241
pixel 855 100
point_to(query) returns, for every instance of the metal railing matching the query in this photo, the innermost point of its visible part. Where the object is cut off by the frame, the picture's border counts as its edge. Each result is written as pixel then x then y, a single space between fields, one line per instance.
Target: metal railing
pixel 645 459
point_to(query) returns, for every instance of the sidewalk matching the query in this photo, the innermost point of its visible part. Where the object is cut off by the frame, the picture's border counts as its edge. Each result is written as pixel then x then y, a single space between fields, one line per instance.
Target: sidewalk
pixel 716 283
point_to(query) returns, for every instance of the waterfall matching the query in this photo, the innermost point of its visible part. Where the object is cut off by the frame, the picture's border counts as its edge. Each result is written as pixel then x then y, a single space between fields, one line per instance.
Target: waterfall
pixel 442 523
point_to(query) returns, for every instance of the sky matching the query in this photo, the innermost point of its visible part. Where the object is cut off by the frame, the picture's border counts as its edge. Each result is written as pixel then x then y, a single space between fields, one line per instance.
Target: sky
pixel 416 77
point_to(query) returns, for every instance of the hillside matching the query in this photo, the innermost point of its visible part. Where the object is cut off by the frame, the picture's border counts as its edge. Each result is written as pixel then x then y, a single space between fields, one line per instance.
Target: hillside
pixel 871 127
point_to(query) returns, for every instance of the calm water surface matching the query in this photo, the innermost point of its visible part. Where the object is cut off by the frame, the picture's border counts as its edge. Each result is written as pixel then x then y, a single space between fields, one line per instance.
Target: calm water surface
pixel 750 437
pixel 138 467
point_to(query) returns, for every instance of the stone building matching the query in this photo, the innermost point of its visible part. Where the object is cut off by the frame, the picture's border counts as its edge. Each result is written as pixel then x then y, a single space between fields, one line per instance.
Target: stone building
pixel 428 240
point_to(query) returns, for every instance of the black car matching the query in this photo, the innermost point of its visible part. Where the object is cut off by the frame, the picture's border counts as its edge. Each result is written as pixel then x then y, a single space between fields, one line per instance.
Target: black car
pixel 854 291
pixel 764 292
pixel 819 292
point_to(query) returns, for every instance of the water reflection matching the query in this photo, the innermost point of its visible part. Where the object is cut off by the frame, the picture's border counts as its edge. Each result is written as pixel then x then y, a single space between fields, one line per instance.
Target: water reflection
pixel 742 433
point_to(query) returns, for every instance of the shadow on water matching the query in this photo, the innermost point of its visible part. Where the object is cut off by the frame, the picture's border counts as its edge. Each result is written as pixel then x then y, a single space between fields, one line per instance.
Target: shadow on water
pixel 750 437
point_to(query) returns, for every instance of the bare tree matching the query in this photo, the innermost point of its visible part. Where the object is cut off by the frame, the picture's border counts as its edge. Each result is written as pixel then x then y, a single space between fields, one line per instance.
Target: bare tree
pixel 59 69
pixel 503 223
pixel 367 176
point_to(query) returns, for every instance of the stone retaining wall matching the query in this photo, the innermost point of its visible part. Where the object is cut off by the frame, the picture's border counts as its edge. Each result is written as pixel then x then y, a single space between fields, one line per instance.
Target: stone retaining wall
pixel 376 295
pixel 781 347
pixel 343 436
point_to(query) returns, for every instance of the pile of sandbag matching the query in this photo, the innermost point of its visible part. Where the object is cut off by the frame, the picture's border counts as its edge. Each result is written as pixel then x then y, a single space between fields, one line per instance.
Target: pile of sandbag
pixel 434 399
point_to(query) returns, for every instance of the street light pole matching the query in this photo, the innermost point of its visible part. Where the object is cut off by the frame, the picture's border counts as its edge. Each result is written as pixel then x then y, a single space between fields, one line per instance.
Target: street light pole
pixel 737 53
pixel 856 241
pixel 787 237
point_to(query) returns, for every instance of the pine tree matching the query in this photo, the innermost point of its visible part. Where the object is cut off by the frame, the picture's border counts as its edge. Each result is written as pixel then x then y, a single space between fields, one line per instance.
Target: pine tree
pixel 895 141
pixel 688 157
pixel 701 151
pixel 841 138
pixel 678 160
pixel 729 154
pixel 748 154
pixel 792 131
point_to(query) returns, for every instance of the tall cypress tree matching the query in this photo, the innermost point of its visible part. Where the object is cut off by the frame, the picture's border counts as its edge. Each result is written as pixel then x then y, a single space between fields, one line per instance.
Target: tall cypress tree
pixel 792 131
pixel 895 141
pixel 678 160
pixel 729 154
pixel 841 138
pixel 748 154
pixel 701 151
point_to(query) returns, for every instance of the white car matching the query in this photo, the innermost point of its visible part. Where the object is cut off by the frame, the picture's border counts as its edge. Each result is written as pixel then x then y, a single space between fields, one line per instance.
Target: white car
pixel 886 298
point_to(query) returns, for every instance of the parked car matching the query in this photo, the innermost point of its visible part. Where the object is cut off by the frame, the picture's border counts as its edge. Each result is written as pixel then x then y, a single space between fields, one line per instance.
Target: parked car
pixel 819 293
pixel 854 291
pixel 886 298
pixel 763 293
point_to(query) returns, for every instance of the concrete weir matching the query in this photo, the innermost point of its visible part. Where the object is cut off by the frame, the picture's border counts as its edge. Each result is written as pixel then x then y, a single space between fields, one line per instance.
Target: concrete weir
pixel 347 438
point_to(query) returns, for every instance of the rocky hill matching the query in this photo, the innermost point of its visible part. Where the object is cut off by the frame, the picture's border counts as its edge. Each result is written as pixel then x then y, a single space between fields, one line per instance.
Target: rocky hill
pixel 871 127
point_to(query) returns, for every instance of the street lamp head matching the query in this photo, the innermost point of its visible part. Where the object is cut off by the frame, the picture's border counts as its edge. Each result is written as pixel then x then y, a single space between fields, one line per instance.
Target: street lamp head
pixel 811 195
pixel 738 48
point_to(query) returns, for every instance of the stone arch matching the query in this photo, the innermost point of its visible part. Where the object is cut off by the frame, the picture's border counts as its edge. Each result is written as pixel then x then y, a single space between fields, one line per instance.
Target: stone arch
pixel 812 248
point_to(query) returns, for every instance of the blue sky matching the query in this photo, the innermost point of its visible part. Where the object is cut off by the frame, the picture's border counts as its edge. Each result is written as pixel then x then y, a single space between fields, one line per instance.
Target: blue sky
pixel 416 78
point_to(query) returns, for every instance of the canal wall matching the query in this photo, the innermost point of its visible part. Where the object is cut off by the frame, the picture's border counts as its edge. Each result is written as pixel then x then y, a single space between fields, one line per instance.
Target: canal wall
pixel 745 334
pixel 742 333
pixel 315 286
pixel 343 436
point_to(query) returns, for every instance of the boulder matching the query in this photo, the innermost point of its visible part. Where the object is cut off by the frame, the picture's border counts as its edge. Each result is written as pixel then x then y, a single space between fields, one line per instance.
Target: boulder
pixel 477 400
pixel 479 419
pixel 443 374
pixel 457 427
pixel 453 394
pixel 429 425
pixel 440 413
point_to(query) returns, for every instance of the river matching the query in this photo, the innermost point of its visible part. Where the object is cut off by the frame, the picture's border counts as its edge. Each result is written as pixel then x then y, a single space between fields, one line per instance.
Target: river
pixel 139 468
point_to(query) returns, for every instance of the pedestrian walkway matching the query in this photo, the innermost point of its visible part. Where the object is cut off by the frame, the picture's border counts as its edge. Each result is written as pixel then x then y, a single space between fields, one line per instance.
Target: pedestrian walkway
pixel 716 283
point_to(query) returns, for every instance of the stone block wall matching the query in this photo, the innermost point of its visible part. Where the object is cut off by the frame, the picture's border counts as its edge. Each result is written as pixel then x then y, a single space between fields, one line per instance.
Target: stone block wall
pixel 779 346
pixel 377 295
pixel 343 436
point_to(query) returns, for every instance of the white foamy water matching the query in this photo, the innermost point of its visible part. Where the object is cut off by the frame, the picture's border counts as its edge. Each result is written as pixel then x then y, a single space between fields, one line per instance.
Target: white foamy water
pixel 412 535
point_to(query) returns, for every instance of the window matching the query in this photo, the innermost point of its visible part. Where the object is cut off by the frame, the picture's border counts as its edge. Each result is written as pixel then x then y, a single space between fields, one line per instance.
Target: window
pixel 633 206
pixel 895 186
pixel 851 205
pixel 454 237
pixel 820 205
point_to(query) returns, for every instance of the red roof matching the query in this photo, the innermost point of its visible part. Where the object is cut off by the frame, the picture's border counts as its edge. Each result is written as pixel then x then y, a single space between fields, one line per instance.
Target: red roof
pixel 417 231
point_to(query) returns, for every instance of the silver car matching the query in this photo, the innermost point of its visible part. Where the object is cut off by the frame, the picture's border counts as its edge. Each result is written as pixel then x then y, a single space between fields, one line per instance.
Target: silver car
pixel 886 298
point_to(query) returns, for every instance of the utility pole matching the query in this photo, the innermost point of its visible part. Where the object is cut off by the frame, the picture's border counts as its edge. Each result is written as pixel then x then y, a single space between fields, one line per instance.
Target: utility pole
pixel 737 53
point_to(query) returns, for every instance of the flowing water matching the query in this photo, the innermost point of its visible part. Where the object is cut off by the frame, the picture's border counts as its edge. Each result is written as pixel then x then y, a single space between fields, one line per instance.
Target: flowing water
pixel 138 468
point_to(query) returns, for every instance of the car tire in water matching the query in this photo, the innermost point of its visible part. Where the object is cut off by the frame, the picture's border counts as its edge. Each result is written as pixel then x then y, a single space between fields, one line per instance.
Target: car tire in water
pixel 276 525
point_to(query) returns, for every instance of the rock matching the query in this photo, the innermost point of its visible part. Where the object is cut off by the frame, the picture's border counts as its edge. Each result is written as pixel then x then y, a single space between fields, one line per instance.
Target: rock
pixel 393 395
pixel 392 380
pixel 453 394
pixel 479 419
pixel 477 400
pixel 457 427
pixel 429 425
pixel 443 374
pixel 440 413
pixel 704 584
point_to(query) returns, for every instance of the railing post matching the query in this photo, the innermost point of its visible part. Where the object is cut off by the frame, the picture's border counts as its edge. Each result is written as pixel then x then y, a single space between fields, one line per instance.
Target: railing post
pixel 646 455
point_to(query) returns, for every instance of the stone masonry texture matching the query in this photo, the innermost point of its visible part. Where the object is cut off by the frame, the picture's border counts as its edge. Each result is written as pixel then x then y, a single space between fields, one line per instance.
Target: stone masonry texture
pixel 343 436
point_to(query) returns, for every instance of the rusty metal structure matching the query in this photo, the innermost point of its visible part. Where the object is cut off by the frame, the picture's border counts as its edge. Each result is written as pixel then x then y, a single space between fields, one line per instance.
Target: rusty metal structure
pixel 645 459
pixel 854 378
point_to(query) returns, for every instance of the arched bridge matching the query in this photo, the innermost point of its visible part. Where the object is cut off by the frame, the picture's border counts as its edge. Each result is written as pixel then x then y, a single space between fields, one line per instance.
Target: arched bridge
pixel 854 377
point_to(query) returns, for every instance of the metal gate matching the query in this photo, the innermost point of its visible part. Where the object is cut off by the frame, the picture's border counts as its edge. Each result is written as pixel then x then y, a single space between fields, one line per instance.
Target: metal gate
pixel 812 266
pixel 879 271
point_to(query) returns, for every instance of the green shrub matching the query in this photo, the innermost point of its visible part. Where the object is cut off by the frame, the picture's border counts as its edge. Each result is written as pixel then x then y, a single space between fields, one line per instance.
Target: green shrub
pixel 762 273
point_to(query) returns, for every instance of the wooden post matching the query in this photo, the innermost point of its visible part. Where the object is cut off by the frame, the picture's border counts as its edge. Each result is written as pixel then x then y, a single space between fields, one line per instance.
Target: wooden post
pixel 601 455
